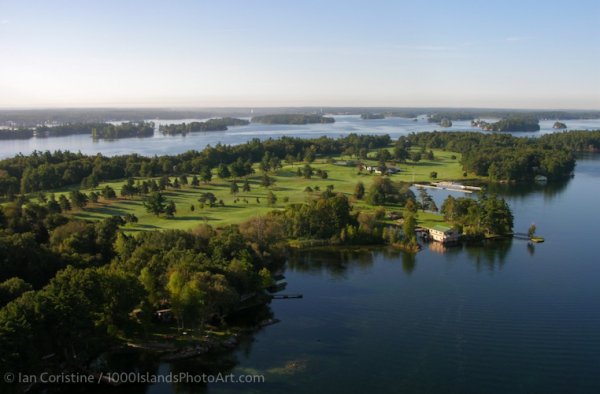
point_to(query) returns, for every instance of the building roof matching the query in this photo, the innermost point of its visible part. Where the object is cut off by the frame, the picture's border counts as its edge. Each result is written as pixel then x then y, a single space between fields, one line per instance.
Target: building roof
pixel 441 228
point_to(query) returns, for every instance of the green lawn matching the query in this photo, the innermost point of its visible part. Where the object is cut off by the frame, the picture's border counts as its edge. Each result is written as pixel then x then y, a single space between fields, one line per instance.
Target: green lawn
pixel 287 184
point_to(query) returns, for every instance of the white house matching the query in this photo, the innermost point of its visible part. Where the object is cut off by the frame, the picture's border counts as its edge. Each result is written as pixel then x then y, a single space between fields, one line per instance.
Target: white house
pixel 444 234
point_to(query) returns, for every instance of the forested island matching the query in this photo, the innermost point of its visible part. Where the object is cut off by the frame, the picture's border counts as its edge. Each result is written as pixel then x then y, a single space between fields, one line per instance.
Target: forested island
pixel 292 119
pixel 440 119
pixel 96 130
pixel 559 125
pixel 16 134
pixel 370 115
pixel 446 122
pixel 220 124
pixel 124 130
pixel 512 123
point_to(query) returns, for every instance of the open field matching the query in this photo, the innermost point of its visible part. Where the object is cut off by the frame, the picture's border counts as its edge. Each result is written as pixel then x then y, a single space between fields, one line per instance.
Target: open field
pixel 288 188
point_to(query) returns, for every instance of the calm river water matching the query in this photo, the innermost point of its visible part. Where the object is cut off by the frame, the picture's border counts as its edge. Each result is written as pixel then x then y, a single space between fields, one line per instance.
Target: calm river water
pixel 160 144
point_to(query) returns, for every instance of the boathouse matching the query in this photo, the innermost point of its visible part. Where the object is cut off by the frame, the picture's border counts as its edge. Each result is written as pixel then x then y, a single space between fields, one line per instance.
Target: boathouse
pixel 444 234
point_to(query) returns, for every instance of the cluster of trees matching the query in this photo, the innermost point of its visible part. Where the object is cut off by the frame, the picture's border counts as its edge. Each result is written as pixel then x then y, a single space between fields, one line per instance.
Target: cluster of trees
pixel 307 172
pixel 574 141
pixel 68 287
pixel 124 130
pixel 384 191
pixel 442 119
pixel 98 130
pixel 370 115
pixel 219 124
pixel 469 114
pixel 16 134
pixel 34 117
pixel 69 129
pixel 488 215
pixel 320 218
pixel 292 119
pixel 51 170
pixel 157 204
pixel 559 125
pixel 505 157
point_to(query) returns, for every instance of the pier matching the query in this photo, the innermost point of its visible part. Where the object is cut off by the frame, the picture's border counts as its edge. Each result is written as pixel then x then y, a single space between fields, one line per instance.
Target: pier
pixel 286 296
pixel 451 187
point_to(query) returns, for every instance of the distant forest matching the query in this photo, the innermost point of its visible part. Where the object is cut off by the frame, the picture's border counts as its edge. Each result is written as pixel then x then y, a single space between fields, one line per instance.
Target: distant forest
pixel 28 118
pixel 96 130
pixel 291 119
pixel 220 124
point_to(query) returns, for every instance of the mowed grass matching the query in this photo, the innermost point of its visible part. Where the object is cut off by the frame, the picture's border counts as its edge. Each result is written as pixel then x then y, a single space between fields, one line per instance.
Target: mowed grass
pixel 288 186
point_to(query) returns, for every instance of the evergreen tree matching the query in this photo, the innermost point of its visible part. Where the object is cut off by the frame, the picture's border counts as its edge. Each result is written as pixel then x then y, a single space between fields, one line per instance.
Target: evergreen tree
pixel 155 203
pixel 234 189
pixel 359 191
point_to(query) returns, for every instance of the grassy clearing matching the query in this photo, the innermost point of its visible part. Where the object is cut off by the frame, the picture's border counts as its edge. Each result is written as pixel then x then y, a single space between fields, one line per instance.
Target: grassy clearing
pixel 288 186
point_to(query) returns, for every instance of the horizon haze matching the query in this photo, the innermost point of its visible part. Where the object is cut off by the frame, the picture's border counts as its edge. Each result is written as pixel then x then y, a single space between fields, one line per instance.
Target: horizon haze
pixel 268 54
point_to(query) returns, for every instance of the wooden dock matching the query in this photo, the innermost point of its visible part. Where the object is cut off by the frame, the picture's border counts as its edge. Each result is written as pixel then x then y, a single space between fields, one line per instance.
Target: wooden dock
pixel 418 185
pixel 521 236
pixel 286 296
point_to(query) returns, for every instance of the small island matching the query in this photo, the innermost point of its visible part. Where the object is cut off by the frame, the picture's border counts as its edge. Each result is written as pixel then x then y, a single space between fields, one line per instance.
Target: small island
pixel 371 116
pixel 559 125
pixel 220 124
pixel 124 130
pixel 511 123
pixel 446 122
pixel 16 134
pixel 441 119
pixel 292 119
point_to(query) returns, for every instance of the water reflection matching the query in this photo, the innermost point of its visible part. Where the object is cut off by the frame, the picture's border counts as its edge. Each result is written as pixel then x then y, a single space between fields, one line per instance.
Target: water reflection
pixel 333 261
pixel 409 263
pixel 491 256
pixel 530 248
pixel 338 263
pixel 549 190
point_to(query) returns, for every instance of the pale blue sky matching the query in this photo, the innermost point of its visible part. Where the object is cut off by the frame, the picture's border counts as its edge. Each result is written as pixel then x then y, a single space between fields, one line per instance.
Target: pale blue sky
pixel 535 54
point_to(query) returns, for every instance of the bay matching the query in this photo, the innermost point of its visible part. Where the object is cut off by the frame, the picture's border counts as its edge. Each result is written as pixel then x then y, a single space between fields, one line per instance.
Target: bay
pixel 160 144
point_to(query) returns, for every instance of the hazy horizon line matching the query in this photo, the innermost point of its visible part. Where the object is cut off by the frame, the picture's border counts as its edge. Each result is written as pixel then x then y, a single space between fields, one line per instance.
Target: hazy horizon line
pixel 167 107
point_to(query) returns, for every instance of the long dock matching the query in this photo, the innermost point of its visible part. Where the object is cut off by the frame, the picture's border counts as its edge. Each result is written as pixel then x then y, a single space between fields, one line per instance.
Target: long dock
pixel 522 236
pixel 285 296
pixel 453 185
pixel 418 185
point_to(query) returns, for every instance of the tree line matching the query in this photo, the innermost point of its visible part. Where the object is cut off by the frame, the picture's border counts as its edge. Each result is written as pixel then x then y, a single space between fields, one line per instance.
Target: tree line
pixel 220 124
pixel 292 119
pixel 504 157
pixel 98 130
pixel 51 170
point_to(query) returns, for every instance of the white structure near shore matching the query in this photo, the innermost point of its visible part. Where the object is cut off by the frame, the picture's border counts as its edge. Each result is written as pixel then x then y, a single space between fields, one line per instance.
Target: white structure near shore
pixel 444 234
